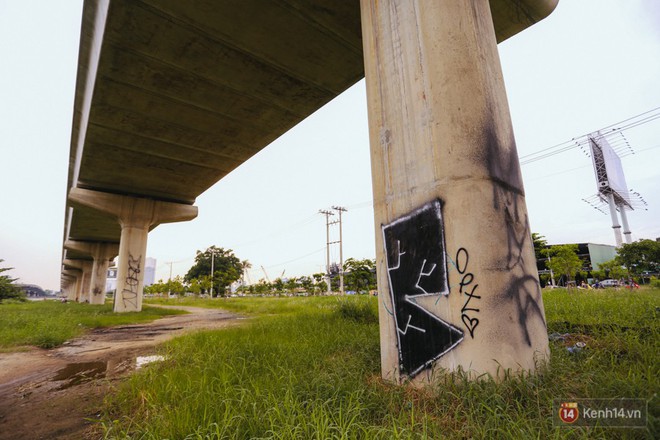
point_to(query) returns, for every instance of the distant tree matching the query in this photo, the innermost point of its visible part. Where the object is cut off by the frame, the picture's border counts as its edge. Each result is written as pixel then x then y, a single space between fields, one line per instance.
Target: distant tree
pixel 278 285
pixel 360 275
pixel 9 290
pixel 640 257
pixel 540 245
pixel 610 269
pixel 175 286
pixel 227 268
pixel 564 260
pixel 291 284
pixel 319 282
pixel 307 283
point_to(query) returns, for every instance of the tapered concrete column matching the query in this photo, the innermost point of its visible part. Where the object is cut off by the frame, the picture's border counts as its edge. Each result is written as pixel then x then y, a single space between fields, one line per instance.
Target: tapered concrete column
pixel 136 217
pixel 76 286
pixel 85 293
pixel 85 279
pixel 102 254
pixel 68 285
pixel 456 269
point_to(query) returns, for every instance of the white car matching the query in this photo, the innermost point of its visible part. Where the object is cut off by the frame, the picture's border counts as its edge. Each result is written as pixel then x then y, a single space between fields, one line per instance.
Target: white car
pixel 608 283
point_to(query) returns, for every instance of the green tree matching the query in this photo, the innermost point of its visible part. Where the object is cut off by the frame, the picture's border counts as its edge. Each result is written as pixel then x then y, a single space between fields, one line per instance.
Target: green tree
pixel 540 245
pixel 278 285
pixel 307 283
pixel 175 286
pixel 610 269
pixel 291 284
pixel 564 260
pixel 360 275
pixel 9 290
pixel 227 268
pixel 640 257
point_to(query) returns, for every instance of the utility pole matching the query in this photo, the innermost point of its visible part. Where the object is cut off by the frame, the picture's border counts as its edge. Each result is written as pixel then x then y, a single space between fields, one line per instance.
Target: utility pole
pixel 340 209
pixel 212 258
pixel 169 289
pixel 327 244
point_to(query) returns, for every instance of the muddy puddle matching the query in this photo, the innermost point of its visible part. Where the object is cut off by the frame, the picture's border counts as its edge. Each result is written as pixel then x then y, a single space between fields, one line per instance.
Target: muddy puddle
pixel 80 372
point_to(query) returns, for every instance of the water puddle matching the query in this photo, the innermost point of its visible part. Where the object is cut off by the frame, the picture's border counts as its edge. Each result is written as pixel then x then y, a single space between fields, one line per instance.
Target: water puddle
pixel 80 372
pixel 75 374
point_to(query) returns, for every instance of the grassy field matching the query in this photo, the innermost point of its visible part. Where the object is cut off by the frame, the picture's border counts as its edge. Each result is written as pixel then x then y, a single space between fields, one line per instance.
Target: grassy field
pixel 48 324
pixel 308 368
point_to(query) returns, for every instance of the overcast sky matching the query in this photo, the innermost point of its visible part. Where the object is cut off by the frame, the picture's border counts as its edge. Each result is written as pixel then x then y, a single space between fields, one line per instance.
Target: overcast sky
pixel 590 64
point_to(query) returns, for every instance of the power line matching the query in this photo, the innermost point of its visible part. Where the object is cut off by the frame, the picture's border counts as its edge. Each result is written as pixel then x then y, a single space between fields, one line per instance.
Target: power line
pixel 626 124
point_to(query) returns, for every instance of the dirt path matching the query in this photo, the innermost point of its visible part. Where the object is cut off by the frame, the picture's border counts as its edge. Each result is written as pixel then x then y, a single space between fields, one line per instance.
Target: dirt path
pixel 57 393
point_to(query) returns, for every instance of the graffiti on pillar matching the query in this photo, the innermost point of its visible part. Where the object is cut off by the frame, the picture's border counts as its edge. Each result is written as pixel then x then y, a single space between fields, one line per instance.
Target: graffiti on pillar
pixel 96 291
pixel 417 267
pixel 130 292
pixel 524 290
pixel 469 310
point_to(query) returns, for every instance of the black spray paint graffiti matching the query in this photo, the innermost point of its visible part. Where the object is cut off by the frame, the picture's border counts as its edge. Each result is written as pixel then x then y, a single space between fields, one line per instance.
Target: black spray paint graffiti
pixel 417 267
pixel 130 292
pixel 524 289
pixel 468 310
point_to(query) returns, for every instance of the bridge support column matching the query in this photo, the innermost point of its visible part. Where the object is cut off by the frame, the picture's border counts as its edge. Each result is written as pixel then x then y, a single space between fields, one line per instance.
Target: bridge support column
pixel 87 281
pixel 102 254
pixel 457 275
pixel 73 292
pixel 136 217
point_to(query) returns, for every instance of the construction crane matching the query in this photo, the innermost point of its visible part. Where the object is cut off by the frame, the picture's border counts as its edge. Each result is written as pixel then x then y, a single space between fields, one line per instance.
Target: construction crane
pixel 265 274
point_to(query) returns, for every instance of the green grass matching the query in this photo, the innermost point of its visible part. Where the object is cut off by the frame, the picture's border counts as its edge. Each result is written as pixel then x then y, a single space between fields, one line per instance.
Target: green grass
pixel 308 368
pixel 48 324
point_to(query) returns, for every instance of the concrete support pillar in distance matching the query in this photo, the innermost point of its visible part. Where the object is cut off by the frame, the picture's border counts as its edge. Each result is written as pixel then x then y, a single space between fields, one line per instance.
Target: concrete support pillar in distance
pixel 73 292
pixel 102 254
pixel 457 274
pixel 87 281
pixel 136 217
pixel 84 279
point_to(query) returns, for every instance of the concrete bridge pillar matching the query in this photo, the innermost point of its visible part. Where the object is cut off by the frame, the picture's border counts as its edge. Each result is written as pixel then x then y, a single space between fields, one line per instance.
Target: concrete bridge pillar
pixel 87 281
pixel 136 217
pixel 456 268
pixel 102 254
pixel 73 292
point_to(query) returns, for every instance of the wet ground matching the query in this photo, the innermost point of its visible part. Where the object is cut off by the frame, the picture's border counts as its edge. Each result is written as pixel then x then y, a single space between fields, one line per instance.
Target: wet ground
pixel 58 393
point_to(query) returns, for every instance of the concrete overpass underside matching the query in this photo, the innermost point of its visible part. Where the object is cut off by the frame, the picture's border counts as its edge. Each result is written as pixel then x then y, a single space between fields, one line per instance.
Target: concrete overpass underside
pixel 173 95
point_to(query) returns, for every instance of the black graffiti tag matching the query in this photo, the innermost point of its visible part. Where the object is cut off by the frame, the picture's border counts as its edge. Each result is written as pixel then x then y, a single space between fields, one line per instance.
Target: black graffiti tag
pixel 462 260
pixel 130 292
pixel 416 268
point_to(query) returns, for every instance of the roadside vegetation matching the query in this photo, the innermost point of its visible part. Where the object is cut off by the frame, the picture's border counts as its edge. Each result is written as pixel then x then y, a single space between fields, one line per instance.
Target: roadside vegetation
pixel 47 324
pixel 309 368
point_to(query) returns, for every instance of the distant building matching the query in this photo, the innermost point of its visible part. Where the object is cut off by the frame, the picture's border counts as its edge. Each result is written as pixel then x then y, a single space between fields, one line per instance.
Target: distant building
pixel 32 290
pixel 149 271
pixel 592 255
pixel 149 275
pixel 597 253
